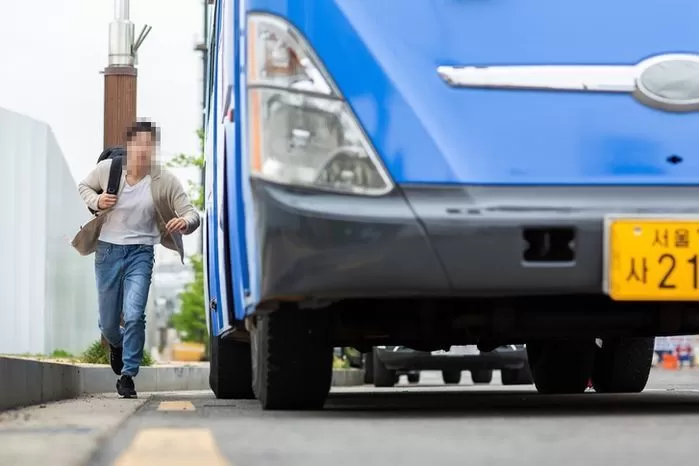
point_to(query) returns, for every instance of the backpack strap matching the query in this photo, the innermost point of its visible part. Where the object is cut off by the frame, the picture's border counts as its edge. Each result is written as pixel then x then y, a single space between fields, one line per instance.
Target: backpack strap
pixel 114 175
pixel 111 152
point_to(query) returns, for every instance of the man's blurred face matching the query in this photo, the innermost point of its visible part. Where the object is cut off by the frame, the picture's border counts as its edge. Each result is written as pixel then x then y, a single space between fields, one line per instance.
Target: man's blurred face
pixel 139 150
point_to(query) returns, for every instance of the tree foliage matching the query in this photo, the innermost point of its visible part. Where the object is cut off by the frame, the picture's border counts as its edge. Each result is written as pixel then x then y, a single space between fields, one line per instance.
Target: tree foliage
pixel 190 322
pixel 196 190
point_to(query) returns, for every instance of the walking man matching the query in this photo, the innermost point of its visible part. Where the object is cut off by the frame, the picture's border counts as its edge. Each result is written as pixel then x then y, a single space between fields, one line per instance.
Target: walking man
pixel 150 207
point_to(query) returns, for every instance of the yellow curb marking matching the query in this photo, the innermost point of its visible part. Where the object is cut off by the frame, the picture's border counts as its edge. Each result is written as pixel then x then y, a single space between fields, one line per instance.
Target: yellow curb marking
pixel 176 406
pixel 172 447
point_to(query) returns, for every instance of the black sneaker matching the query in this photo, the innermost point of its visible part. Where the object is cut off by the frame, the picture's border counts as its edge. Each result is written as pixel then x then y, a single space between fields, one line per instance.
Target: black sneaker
pixel 115 359
pixel 125 387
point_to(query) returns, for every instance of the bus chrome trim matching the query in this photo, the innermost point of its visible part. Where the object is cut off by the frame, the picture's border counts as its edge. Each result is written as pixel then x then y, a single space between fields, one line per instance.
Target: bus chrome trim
pixel 668 82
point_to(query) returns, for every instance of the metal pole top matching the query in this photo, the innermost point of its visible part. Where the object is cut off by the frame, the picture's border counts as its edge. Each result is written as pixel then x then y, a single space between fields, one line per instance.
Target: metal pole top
pixel 121 10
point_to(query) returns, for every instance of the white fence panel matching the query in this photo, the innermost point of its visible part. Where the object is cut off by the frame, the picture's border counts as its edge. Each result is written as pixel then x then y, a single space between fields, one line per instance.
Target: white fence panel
pixel 48 299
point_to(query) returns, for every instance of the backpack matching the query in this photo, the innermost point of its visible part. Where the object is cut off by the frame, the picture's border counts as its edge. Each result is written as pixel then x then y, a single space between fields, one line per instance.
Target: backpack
pixel 116 154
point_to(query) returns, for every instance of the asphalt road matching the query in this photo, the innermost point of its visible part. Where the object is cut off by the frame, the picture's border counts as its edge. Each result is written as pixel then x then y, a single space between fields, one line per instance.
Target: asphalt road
pixel 408 425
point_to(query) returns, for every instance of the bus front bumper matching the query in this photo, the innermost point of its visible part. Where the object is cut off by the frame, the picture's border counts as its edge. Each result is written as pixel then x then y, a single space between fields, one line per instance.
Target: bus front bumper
pixel 440 241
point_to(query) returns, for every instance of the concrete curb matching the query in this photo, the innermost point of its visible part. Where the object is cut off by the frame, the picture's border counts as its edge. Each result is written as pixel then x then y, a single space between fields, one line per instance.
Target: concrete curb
pixel 347 377
pixel 171 378
pixel 25 382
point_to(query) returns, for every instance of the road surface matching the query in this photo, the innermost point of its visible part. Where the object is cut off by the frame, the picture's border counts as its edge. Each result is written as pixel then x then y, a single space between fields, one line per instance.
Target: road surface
pixel 429 424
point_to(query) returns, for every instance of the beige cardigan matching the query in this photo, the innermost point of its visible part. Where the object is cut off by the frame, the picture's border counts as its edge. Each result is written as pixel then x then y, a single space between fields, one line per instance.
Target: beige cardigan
pixel 169 199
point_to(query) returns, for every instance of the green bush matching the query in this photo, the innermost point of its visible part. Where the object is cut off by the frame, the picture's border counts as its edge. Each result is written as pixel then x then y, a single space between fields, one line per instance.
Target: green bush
pixel 61 354
pixel 196 190
pixel 98 354
pixel 340 363
pixel 190 322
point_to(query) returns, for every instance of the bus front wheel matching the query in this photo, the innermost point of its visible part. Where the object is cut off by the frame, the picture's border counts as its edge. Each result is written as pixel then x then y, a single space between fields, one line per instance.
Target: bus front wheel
pixel 291 359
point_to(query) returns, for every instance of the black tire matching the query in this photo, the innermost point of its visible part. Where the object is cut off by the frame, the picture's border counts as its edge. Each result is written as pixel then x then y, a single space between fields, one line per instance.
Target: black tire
pixel 623 365
pixel 414 377
pixel 521 376
pixel 369 367
pixel 383 377
pixel 230 369
pixel 451 377
pixel 561 366
pixel 291 360
pixel 482 376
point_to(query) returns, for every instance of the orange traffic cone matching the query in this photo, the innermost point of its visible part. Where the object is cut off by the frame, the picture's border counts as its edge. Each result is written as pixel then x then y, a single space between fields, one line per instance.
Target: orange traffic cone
pixel 670 362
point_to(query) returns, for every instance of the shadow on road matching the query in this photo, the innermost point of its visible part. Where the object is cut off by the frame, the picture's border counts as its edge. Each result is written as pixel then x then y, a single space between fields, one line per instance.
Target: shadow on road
pixel 485 403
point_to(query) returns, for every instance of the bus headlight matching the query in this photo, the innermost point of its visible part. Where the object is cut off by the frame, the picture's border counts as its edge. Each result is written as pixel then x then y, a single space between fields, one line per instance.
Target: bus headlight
pixel 301 131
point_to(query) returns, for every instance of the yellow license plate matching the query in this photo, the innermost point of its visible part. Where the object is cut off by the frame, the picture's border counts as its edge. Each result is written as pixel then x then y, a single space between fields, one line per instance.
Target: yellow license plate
pixel 653 259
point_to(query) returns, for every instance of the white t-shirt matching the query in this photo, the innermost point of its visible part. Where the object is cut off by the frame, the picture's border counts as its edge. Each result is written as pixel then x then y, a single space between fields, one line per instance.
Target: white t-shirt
pixel 132 221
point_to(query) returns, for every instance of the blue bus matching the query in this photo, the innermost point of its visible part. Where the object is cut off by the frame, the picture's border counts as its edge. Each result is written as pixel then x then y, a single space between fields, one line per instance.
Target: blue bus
pixel 449 172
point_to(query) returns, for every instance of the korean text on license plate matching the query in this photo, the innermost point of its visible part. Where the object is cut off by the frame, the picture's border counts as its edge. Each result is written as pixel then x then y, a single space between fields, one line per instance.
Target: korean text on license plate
pixel 652 259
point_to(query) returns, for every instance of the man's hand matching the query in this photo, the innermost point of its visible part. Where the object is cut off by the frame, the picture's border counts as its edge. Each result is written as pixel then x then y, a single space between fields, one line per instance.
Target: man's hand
pixel 105 201
pixel 176 224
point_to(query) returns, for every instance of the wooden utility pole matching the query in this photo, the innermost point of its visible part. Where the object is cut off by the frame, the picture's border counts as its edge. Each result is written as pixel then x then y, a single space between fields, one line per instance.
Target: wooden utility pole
pixel 119 103
pixel 120 75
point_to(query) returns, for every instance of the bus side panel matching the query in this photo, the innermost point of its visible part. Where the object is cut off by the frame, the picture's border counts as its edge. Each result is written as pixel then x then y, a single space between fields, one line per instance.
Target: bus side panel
pixel 209 249
pixel 236 233
pixel 230 175
pixel 245 213
pixel 217 264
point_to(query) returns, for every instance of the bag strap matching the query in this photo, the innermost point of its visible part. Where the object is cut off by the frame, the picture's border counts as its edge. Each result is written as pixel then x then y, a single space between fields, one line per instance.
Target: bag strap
pixel 114 175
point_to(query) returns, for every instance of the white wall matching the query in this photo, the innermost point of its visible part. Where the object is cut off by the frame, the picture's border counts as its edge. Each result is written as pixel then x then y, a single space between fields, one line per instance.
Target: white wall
pixel 47 290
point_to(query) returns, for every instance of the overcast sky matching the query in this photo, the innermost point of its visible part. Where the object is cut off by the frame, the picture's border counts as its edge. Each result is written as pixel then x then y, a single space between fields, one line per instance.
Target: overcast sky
pixel 52 53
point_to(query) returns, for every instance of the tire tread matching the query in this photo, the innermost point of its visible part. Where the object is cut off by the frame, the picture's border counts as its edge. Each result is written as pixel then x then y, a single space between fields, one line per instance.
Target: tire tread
pixel 294 362
pixel 623 366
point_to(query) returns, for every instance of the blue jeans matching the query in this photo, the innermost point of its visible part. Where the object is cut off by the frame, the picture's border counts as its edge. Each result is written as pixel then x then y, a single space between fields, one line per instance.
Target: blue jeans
pixel 123 281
